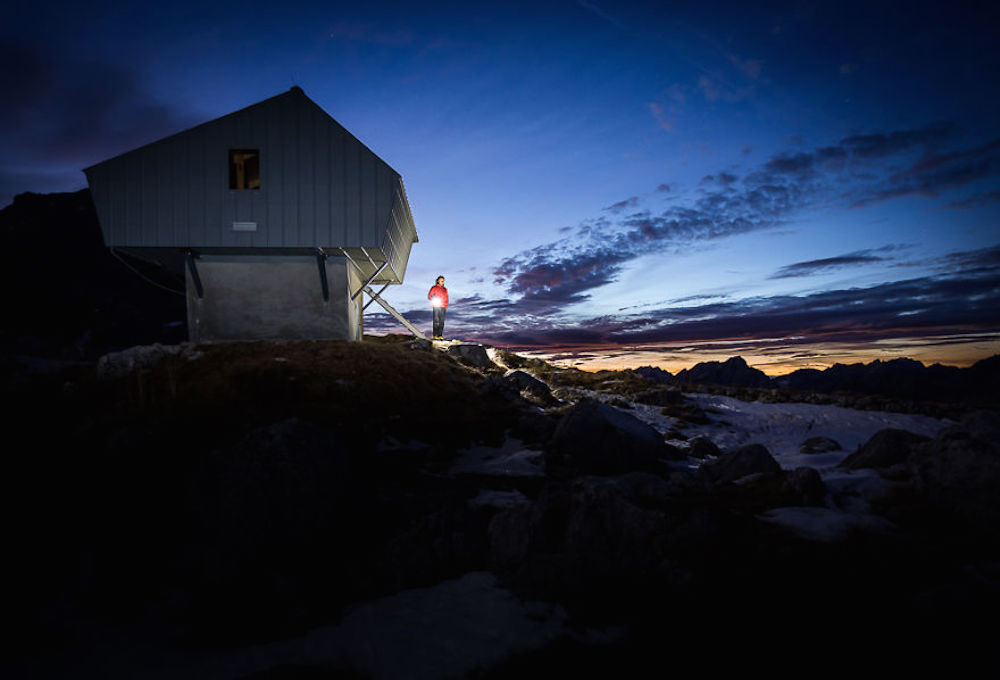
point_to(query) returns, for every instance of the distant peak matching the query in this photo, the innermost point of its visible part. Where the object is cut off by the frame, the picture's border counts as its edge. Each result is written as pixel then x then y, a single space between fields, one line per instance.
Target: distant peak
pixel 296 89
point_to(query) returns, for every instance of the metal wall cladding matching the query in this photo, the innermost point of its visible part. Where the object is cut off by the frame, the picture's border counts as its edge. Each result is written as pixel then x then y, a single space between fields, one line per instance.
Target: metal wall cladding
pixel 319 187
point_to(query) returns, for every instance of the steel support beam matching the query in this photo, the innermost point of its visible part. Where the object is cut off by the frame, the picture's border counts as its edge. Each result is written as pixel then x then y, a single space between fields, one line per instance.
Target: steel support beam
pixel 399 317
pixel 364 286
pixel 189 256
pixel 371 299
pixel 321 263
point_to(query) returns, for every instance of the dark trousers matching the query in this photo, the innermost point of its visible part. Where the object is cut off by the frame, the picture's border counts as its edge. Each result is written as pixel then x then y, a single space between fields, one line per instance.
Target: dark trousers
pixel 439 321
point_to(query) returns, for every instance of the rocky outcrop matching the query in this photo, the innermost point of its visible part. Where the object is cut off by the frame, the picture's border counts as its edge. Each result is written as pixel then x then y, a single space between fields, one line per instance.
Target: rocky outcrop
pixel 654 373
pixel 884 449
pixel 747 460
pixel 902 378
pixel 525 383
pixel 593 535
pixel 733 371
pixel 472 353
pixel 960 468
pixel 601 439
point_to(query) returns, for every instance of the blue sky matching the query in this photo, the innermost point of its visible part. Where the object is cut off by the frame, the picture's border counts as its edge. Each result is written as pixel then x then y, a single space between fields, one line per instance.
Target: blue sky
pixel 613 183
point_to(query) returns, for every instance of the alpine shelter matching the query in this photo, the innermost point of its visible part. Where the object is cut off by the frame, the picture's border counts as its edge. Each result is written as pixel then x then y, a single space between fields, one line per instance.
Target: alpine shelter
pixel 285 220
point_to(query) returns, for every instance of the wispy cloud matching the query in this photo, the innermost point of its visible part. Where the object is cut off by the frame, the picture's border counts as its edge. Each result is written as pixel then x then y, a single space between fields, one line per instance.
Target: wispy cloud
pixel 545 279
pixel 828 264
pixel 922 305
pixel 622 206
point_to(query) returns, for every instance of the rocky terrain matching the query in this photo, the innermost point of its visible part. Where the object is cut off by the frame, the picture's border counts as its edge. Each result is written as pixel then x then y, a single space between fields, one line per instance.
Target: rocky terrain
pixel 385 509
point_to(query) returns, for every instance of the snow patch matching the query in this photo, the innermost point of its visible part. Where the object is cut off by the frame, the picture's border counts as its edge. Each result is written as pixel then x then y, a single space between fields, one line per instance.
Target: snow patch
pixel 782 427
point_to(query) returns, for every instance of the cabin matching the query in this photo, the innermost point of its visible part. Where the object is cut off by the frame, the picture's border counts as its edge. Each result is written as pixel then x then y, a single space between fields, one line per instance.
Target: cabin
pixel 284 218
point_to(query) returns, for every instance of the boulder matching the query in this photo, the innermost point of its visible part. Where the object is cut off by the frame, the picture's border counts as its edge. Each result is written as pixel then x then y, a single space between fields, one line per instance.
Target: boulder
pixel 472 353
pixel 747 460
pixel 584 541
pixel 805 486
pixel 604 440
pixel 703 447
pixel 884 449
pixel 819 445
pixel 525 382
pixel 961 471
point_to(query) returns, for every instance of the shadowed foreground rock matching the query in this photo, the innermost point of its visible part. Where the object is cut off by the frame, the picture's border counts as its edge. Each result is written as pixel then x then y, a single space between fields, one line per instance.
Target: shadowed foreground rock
pixel 603 439
pixel 746 460
pixel 474 354
pixel 588 538
pixel 960 469
pixel 885 448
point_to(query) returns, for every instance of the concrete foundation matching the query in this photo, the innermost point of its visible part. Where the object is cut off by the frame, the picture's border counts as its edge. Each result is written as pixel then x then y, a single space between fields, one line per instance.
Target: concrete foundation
pixel 273 298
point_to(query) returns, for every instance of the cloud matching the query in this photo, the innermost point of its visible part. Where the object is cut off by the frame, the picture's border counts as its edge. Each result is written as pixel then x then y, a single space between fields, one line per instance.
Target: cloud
pixel 964 298
pixel 880 145
pixel 665 121
pixel 621 206
pixel 934 173
pixel 899 309
pixel 828 264
pixel 976 200
pixel 722 178
pixel 981 260
pixel 548 278
pixel 67 112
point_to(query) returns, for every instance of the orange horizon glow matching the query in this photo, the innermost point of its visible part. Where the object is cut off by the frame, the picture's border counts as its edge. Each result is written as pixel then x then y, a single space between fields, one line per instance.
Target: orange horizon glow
pixel 775 356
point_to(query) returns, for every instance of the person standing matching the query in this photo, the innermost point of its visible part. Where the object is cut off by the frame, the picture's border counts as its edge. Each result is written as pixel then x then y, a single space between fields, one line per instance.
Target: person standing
pixel 438 295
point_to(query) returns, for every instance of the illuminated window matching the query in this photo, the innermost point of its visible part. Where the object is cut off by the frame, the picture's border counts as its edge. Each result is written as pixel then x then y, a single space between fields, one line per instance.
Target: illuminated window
pixel 244 168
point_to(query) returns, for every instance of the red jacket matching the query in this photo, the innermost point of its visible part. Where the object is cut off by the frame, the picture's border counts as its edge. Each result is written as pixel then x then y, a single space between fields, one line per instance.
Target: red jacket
pixel 439 292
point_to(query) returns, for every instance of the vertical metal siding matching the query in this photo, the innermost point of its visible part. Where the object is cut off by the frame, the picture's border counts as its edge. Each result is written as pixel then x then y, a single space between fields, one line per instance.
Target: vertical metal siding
pixel 321 169
pixel 319 186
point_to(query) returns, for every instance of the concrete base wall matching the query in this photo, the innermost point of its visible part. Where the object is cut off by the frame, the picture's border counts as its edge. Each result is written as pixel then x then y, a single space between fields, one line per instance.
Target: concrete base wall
pixel 272 298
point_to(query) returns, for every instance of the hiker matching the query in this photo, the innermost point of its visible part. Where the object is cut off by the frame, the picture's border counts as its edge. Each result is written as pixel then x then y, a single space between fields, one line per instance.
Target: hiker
pixel 438 295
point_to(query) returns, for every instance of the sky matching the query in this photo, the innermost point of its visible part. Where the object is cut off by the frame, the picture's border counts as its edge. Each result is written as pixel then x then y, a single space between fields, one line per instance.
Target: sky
pixel 603 184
